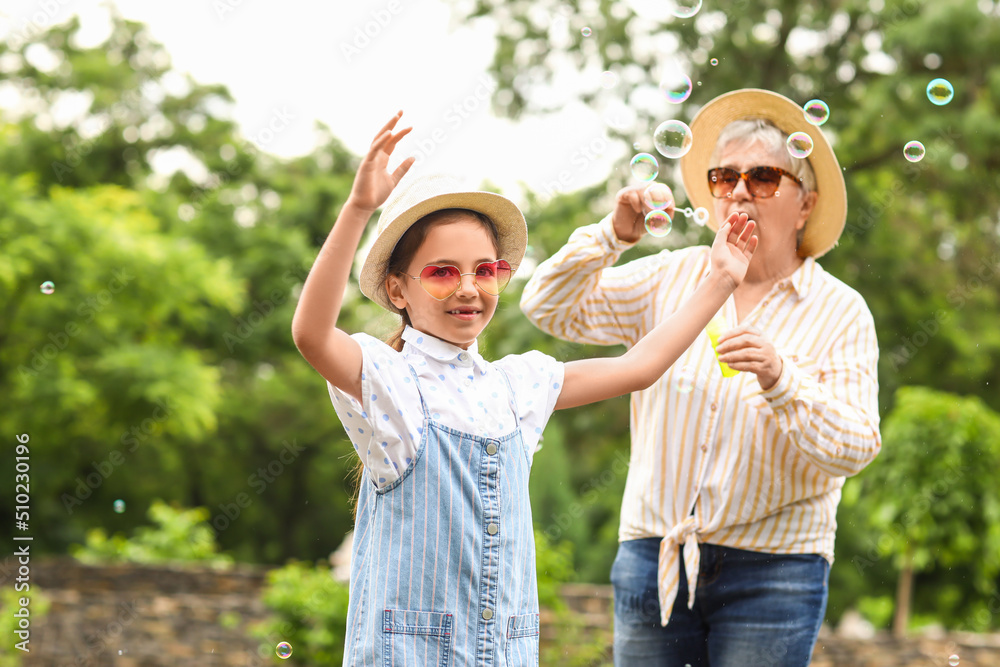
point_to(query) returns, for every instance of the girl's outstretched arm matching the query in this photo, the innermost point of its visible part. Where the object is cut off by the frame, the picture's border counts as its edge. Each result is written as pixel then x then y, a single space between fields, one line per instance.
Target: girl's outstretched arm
pixel 590 380
pixel 328 349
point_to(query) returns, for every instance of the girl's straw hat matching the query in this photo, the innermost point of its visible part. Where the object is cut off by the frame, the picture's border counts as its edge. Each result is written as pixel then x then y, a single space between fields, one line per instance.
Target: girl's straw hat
pixel 425 195
pixel 826 222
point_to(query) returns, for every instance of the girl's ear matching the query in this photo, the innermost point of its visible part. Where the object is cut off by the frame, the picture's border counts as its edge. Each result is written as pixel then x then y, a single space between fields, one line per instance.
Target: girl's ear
pixel 394 288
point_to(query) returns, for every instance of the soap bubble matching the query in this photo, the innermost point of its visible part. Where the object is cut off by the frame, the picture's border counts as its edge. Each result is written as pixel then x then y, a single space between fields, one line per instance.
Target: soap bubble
pixel 283 650
pixel 119 506
pixel 913 151
pixel 609 79
pixel 586 32
pixel 713 62
pixel 658 223
pixel 817 112
pixel 673 138
pixel 799 144
pixel 953 660
pixel 48 287
pixel 685 9
pixel 686 380
pixel 676 86
pixel 940 91
pixel 657 197
pixel 645 167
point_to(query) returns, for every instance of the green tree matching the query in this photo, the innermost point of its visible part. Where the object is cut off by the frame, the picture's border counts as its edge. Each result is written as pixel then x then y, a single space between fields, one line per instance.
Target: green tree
pixel 162 365
pixel 928 506
pixel 178 536
pixel 93 372
pixel 136 108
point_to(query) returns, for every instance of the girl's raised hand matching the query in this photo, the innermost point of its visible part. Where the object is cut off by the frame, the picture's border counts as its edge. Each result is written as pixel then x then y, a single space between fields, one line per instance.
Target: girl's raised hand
pixel 733 247
pixel 373 183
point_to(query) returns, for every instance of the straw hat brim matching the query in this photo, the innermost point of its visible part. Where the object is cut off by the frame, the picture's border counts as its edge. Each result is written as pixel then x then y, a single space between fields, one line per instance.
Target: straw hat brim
pixel 509 220
pixel 826 222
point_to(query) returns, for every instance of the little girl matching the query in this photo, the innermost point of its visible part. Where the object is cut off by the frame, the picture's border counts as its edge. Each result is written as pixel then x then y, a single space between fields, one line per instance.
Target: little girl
pixel 443 561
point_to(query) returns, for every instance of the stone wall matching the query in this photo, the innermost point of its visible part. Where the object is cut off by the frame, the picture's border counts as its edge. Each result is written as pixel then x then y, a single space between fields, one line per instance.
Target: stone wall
pixel 131 616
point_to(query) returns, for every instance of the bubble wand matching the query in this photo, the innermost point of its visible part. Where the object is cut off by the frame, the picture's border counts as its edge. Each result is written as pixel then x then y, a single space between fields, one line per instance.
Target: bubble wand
pixel 658 221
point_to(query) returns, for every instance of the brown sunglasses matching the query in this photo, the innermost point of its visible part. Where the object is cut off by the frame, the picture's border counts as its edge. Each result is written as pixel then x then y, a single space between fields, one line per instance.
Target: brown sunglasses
pixel 761 182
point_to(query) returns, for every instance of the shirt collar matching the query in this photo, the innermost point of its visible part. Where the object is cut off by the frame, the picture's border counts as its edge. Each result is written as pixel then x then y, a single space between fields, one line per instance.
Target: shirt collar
pixel 445 352
pixel 802 278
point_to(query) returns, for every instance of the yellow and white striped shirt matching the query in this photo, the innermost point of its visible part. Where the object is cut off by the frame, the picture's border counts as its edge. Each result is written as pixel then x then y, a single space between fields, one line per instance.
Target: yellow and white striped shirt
pixel 716 459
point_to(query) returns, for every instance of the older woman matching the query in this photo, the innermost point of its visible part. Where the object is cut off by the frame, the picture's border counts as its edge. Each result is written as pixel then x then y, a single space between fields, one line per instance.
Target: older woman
pixel 728 520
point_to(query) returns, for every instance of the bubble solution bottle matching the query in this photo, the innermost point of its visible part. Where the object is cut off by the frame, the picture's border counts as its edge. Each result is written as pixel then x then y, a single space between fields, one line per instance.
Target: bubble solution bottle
pixel 714 330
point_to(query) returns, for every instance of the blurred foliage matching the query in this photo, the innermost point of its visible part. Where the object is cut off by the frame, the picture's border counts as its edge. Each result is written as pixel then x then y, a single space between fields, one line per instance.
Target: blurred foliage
pixel 574 645
pixel 928 507
pixel 309 610
pixel 163 367
pixel 38 606
pixel 877 610
pixel 178 536
pixel 554 562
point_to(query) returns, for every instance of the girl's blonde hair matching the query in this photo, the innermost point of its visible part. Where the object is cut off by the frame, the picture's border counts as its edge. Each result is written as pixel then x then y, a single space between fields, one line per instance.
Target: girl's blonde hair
pixel 399 262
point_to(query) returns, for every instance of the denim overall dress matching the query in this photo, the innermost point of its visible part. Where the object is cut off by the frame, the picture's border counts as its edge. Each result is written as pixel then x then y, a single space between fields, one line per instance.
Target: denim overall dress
pixel 443 560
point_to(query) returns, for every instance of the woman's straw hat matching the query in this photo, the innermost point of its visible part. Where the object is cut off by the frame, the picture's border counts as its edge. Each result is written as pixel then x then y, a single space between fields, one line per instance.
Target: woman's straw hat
pixel 425 195
pixel 825 224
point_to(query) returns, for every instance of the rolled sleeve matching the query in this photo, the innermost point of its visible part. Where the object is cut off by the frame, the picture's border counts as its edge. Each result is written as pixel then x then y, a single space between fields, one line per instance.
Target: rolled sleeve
pixel 833 420
pixel 783 391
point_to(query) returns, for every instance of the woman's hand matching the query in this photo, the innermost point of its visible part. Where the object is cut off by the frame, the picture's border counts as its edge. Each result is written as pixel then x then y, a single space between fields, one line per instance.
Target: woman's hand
pixel 733 247
pixel 373 183
pixel 629 216
pixel 745 348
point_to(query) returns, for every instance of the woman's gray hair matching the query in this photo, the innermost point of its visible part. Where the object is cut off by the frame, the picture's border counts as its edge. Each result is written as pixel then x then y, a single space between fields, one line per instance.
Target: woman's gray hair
pixel 747 131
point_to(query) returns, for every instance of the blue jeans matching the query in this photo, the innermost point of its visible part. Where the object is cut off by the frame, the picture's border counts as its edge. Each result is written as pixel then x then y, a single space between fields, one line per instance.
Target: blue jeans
pixel 751 609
